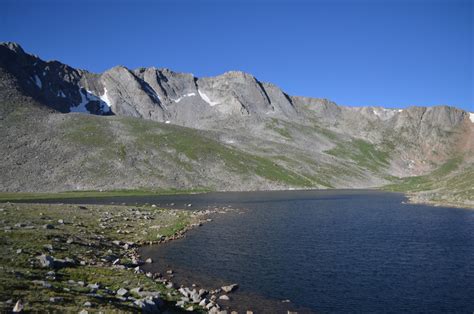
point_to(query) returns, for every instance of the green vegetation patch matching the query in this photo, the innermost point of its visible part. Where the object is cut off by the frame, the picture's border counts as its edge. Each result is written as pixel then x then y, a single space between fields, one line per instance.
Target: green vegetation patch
pixel 22 196
pixel 198 148
pixel 279 127
pixel 449 178
pixel 85 235
pixel 363 153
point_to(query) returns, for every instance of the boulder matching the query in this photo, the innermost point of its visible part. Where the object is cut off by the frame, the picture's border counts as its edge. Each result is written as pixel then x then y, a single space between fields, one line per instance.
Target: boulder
pixel 229 288
pixel 46 261
pixel 18 307
pixel 147 305
pixel 122 292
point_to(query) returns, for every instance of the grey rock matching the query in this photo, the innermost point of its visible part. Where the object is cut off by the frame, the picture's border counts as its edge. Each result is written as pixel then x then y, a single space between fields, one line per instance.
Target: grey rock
pixel 46 261
pixel 147 305
pixel 229 288
pixel 18 307
pixel 122 292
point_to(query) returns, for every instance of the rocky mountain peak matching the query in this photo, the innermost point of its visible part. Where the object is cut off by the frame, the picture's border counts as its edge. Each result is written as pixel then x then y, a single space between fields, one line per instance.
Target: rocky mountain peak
pixel 12 46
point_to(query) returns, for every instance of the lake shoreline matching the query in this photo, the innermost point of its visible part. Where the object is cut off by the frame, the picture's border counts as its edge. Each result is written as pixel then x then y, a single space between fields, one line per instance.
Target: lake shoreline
pixel 187 280
pixel 422 197
pixel 119 259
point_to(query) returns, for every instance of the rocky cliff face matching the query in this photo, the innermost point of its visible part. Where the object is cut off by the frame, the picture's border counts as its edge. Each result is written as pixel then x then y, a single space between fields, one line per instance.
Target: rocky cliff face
pixel 256 135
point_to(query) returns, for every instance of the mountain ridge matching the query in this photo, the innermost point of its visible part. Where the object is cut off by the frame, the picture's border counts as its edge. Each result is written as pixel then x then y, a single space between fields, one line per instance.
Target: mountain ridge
pixel 252 134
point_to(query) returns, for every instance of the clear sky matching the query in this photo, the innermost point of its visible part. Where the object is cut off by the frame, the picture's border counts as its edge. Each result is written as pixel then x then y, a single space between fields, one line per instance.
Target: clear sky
pixel 388 53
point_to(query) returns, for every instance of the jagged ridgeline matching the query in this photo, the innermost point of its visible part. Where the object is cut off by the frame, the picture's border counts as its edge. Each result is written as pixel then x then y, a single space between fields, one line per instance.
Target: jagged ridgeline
pixel 69 129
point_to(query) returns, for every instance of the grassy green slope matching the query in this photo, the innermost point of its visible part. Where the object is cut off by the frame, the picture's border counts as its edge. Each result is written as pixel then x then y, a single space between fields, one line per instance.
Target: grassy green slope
pixel 188 149
pixel 452 183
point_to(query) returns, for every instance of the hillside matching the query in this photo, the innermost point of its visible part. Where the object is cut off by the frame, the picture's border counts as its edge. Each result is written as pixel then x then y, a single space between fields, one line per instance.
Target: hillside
pixel 65 129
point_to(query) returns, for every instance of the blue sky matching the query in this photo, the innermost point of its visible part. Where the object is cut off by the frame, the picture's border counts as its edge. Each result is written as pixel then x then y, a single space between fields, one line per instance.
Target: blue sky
pixel 388 53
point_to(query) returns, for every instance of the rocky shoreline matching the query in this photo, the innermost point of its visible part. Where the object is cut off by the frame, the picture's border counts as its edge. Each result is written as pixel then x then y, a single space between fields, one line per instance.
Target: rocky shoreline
pixel 74 258
pixel 426 198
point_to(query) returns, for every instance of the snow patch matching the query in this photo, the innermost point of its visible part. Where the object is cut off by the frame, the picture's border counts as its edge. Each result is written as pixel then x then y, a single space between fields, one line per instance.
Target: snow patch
pixel 38 81
pixel 383 113
pixel 105 98
pixel 187 95
pixel 167 121
pixel 86 97
pixel 206 99
pixel 471 116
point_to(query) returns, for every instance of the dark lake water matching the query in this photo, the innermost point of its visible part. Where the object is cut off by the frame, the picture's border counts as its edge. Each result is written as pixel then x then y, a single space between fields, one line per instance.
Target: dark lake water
pixel 331 251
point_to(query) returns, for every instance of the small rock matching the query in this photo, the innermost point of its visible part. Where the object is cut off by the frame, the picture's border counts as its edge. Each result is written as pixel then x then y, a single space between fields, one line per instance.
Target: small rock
pixel 230 288
pixel 56 299
pixel 19 251
pixel 42 283
pixel 149 261
pixel 61 222
pixel 137 270
pixel 214 310
pixel 83 312
pixel 46 261
pixel 93 286
pixel 87 304
pixel 48 226
pixel 210 305
pixel 18 307
pixel 122 292
pixel 224 297
pixel 169 271
pixel 148 305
